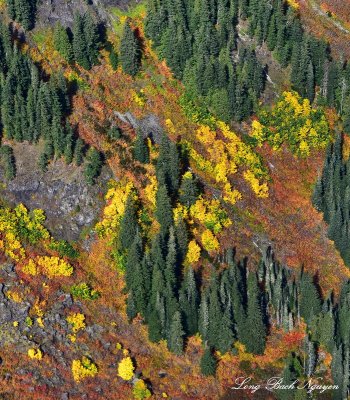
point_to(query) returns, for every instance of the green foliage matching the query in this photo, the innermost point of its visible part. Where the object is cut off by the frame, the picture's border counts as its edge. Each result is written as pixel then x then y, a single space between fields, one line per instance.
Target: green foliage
pixel 9 162
pixel 93 166
pixel 130 51
pixel 293 121
pixel 62 43
pixel 114 133
pixel 208 363
pixel 86 41
pixel 114 60
pixel 23 11
pixel 84 291
pixel 64 248
pixel 141 151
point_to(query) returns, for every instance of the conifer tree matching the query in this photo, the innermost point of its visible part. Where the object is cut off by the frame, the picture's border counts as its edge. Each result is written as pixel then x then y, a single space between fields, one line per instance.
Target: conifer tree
pixel 255 331
pixel 80 48
pixel 189 302
pixel 164 212
pixel 175 342
pixel 128 224
pixel 141 152
pixel 208 363
pixel 79 150
pixel 93 166
pixel 62 43
pixel 130 51
pixel 114 60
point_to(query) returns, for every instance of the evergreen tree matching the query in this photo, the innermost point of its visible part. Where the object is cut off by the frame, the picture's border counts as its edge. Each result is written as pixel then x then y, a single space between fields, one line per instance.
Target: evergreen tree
pixel 164 212
pixel 255 328
pixel 62 43
pixel 189 302
pixel 114 133
pixel 128 224
pixel 141 152
pixel 80 46
pixel 310 304
pixel 175 342
pixel 93 166
pixel 208 363
pixel 113 59
pixel 189 190
pixel 130 51
pixel 79 150
pixel 9 162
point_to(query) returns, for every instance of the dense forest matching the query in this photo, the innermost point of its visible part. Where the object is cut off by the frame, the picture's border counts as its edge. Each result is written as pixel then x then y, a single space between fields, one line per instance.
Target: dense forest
pixel 180 202
pixel 209 55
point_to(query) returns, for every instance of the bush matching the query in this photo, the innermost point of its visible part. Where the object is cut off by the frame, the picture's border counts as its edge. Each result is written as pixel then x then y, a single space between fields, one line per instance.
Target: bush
pixel 84 292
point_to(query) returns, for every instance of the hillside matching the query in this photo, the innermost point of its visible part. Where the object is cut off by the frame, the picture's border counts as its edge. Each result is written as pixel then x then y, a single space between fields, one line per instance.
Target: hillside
pixel 173 200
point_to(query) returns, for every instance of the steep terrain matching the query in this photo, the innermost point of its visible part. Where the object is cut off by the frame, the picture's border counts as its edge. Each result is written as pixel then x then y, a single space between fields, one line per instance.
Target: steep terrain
pixel 71 314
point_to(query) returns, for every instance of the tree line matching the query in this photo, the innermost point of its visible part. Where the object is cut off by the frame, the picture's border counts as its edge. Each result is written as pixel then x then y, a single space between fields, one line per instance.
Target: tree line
pixel 200 41
pixel 34 107
pixel 230 302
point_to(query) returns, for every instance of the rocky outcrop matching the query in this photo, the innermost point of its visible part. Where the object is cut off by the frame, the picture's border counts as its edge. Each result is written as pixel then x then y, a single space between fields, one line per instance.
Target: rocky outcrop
pixel 52 11
pixel 70 204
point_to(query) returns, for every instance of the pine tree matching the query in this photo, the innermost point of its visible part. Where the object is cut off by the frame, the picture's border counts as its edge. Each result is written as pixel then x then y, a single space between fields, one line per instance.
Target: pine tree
pixel 208 363
pixel 130 51
pixel 176 342
pixel 113 59
pixel 93 166
pixel 43 162
pixel 133 261
pixel 141 152
pixel 92 38
pixel 62 43
pixel 79 150
pixel 189 302
pixel 181 233
pixel 164 212
pixel 80 48
pixel 255 331
pixel 310 304
pixel 128 224
pixel 9 162
pixel 114 133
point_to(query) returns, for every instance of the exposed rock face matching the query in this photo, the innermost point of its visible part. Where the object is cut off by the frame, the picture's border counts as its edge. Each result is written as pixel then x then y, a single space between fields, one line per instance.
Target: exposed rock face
pixel 69 203
pixel 51 11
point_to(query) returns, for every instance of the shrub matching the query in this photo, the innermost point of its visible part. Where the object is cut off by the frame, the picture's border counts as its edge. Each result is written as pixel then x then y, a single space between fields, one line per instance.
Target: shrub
pixel 84 292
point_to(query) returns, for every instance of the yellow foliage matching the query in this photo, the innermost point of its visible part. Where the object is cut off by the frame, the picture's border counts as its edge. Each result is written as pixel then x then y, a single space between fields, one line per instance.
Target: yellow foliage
pixel 126 369
pixel 180 212
pixel 231 196
pixel 35 354
pixel 117 197
pixel 40 322
pixel 18 224
pixel 83 368
pixel 140 390
pixel 210 213
pixel 14 296
pixel 293 121
pixel 258 132
pixel 151 190
pixel 193 252
pixel 293 3
pixel 205 135
pixel 30 268
pixel 77 320
pixel 54 266
pixel 261 190
pixel 209 241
